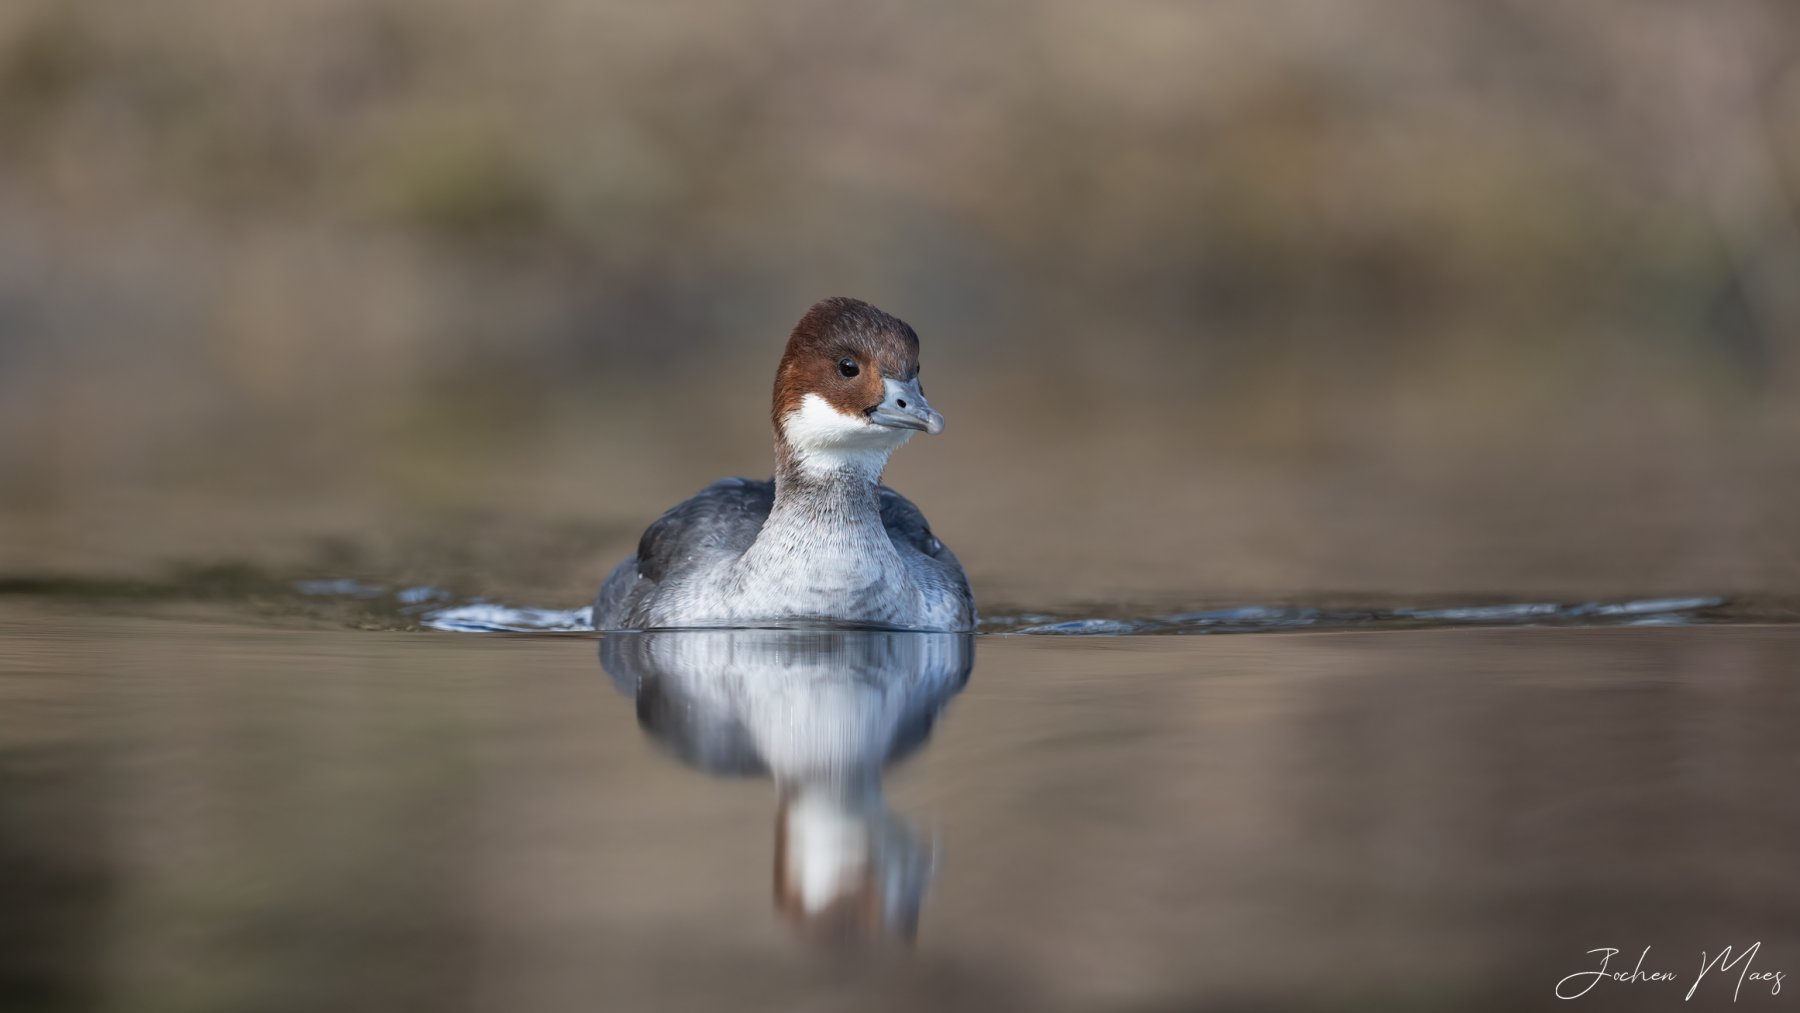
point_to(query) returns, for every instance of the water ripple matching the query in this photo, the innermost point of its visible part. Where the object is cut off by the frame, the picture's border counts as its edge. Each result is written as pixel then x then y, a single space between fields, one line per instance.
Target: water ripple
pixel 488 617
pixel 485 618
pixel 1263 619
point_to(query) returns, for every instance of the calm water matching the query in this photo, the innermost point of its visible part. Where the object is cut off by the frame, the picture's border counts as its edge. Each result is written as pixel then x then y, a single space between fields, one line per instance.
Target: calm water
pixel 203 812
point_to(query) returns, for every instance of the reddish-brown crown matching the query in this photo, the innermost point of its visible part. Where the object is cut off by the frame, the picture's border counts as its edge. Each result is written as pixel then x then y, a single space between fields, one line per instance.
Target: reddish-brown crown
pixel 835 330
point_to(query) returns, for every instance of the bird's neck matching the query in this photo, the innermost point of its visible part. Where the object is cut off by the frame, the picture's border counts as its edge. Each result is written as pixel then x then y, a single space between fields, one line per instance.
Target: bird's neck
pixel 824 550
pixel 826 490
pixel 825 531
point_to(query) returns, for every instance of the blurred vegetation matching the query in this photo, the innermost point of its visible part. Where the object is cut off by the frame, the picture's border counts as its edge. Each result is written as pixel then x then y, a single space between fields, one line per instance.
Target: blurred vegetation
pixel 1454 283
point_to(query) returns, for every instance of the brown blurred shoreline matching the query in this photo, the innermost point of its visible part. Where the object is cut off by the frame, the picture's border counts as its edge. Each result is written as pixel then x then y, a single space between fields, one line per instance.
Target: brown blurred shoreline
pixel 1221 302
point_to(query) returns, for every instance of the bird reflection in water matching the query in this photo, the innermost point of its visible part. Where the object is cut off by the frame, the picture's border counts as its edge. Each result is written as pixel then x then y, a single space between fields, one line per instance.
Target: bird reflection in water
pixel 822 713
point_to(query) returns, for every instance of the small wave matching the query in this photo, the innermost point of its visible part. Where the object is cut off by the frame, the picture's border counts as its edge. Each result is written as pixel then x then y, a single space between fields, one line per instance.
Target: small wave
pixel 487 617
pixel 1264 619
pixel 434 608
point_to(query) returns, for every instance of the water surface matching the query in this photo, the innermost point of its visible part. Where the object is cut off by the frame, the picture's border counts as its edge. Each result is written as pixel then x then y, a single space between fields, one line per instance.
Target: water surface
pixel 209 814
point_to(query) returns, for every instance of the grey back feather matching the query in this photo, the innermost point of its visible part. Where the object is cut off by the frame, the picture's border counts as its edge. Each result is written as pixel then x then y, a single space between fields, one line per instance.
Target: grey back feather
pixel 722 521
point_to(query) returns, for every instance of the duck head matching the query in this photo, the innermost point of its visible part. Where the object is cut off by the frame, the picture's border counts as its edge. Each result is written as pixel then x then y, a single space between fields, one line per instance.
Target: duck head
pixel 847 392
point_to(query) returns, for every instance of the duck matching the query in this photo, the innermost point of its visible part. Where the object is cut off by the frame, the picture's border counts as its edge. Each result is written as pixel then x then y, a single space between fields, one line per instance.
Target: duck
pixel 823 541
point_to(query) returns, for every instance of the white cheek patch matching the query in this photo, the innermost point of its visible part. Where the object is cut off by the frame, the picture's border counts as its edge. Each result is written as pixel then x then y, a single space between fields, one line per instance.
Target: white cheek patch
pixel 825 440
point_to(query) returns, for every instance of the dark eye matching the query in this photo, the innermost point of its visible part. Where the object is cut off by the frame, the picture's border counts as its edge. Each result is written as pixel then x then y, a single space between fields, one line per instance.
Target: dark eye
pixel 848 367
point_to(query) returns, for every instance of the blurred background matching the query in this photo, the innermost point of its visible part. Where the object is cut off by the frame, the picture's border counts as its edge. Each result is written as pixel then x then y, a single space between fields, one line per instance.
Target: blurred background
pixel 1220 300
